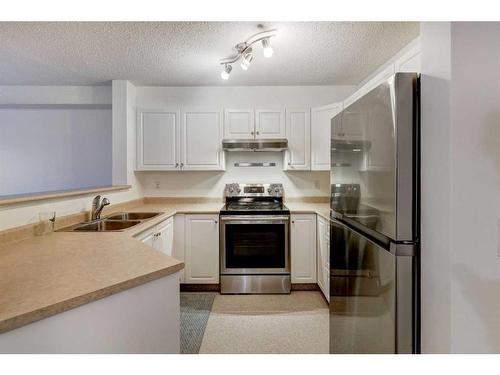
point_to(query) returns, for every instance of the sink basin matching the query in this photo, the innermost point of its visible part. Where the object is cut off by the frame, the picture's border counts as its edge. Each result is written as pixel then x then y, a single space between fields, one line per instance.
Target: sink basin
pixel 106 226
pixel 133 216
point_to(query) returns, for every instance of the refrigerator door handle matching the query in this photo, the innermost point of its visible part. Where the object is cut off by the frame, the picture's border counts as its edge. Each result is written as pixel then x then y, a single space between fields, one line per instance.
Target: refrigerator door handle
pixel 403 249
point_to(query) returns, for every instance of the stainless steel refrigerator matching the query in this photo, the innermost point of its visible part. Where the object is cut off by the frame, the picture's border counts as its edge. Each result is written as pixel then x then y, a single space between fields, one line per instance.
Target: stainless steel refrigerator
pixel 374 226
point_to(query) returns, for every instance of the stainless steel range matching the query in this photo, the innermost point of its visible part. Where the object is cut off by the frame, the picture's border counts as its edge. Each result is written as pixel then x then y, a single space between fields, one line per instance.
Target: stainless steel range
pixel 254 240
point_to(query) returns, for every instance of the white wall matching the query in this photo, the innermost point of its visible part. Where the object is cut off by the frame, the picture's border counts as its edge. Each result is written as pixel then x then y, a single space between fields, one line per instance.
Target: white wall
pixel 460 187
pixel 475 194
pixel 212 183
pixel 436 186
pixel 54 149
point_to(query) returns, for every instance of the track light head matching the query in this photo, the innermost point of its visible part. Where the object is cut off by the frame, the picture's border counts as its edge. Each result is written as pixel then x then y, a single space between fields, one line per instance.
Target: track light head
pixel 225 73
pixel 246 60
pixel 268 50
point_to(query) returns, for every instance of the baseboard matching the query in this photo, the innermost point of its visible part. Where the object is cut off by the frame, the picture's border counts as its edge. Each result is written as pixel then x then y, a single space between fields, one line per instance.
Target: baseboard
pixel 310 286
pixel 216 287
pixel 200 287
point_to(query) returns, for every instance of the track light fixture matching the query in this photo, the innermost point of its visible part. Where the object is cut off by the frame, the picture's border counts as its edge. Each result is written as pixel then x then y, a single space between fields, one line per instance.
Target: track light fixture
pixel 225 73
pixel 244 51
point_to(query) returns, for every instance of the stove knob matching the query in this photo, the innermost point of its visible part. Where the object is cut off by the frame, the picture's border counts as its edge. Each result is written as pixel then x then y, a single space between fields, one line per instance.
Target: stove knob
pixel 269 190
pixel 231 189
pixel 276 190
pixel 238 190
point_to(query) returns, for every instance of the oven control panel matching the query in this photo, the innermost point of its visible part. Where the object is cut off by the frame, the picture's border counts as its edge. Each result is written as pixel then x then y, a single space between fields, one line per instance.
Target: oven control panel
pixel 253 190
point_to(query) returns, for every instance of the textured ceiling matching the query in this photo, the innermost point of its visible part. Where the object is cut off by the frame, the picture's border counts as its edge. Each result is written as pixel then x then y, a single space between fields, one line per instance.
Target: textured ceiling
pixel 188 53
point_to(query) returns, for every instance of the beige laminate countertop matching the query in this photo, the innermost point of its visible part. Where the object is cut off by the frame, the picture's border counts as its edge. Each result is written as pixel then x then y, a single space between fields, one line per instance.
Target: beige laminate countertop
pixel 46 275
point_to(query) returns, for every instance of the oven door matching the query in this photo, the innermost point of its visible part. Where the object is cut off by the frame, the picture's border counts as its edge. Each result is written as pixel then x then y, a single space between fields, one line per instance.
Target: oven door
pixel 254 244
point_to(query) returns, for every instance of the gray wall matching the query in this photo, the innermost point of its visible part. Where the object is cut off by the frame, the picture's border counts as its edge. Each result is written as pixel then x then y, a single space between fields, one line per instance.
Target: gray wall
pixel 54 149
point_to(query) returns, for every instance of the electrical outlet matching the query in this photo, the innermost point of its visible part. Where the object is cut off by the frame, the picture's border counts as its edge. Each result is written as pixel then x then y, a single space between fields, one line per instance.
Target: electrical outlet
pixel 157 184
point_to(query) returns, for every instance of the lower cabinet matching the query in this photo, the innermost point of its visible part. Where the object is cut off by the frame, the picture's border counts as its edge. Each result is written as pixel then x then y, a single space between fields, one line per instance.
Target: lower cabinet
pixel 323 254
pixel 201 249
pixel 193 239
pixel 160 237
pixel 303 248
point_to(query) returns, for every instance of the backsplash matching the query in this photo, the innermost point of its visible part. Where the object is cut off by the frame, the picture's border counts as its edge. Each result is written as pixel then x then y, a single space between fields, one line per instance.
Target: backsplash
pixel 211 184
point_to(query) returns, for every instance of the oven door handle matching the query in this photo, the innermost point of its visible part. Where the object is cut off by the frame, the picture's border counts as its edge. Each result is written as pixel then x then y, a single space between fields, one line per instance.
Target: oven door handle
pixel 254 218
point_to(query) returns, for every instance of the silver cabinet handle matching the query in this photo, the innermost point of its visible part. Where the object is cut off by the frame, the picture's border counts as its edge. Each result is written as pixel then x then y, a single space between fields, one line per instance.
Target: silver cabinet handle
pixel 251 133
pixel 215 221
pixel 257 133
pixel 176 165
pixel 182 165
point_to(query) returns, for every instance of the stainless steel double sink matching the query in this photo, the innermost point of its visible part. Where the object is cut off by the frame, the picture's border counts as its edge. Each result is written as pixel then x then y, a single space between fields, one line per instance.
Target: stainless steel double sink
pixel 113 223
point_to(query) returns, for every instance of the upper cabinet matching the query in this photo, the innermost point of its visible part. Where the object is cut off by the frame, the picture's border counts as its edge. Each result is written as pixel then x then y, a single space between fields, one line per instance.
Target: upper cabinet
pixel 158 139
pixel 254 124
pixel 201 135
pixel 320 135
pixel 166 143
pixel 298 130
pixel 239 124
pixel 270 123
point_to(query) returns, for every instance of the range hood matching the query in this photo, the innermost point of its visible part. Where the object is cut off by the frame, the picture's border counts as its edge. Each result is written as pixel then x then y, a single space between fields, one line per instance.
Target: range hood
pixel 254 144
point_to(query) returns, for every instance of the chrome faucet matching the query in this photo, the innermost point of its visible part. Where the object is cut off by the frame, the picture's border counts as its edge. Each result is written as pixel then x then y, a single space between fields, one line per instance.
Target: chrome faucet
pixel 97 207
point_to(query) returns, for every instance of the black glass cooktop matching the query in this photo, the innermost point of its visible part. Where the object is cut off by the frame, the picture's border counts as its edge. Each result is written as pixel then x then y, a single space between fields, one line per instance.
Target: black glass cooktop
pixel 255 208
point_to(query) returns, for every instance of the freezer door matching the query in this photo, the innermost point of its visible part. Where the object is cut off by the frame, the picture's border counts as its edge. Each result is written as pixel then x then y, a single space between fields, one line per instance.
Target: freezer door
pixel 373 158
pixel 370 295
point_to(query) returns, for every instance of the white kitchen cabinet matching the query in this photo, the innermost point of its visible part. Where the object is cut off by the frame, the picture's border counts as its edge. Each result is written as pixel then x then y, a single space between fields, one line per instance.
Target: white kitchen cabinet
pixel 321 134
pixel 201 140
pixel 239 124
pixel 298 130
pixel 201 248
pixel 147 237
pixel 323 256
pixel 164 143
pixel 179 239
pixel 164 241
pixel 270 124
pixel 303 248
pixel 157 139
pixel 254 124
pixel 160 237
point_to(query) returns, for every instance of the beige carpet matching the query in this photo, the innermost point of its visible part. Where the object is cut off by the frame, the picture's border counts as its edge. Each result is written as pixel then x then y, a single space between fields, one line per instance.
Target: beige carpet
pixel 295 323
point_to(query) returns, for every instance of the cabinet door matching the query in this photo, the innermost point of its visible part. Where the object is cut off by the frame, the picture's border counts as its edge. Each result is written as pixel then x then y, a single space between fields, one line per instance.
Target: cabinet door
pixel 303 248
pixel 239 124
pixel 298 130
pixel 202 249
pixel 179 240
pixel 320 135
pixel 157 139
pixel 321 253
pixel 270 123
pixel 165 236
pixel 147 237
pixel 201 135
